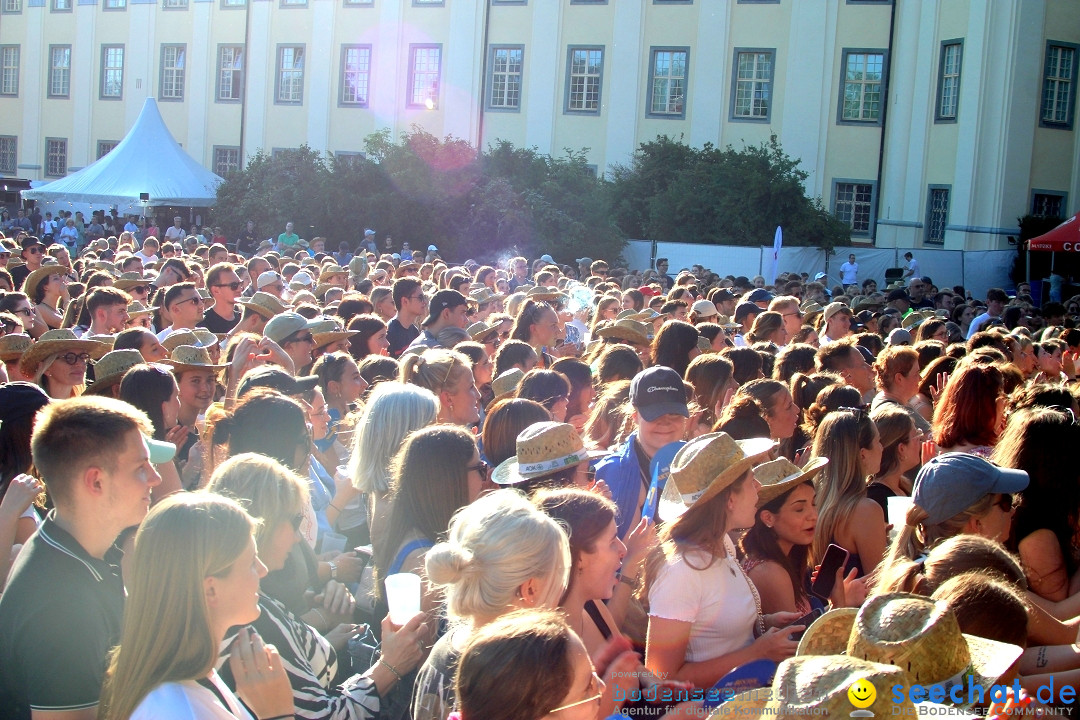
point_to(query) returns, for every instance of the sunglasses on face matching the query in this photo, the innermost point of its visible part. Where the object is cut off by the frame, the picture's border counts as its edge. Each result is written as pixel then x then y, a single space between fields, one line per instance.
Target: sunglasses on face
pixel 297 521
pixel 35 250
pixel 197 300
pixel 28 312
pixel 140 289
pixel 74 358
pixel 307 338
pixel 1006 502
pixel 234 286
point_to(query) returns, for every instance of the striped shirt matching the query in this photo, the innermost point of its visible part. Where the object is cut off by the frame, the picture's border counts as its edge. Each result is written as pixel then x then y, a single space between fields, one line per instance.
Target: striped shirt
pixel 311 664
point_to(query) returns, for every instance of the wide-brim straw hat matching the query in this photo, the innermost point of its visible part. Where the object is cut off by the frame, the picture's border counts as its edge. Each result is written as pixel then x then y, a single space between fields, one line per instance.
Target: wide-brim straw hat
pixel 189 357
pixel 110 369
pixel 136 309
pixel 483 295
pixel 726 322
pixel 705 466
pixel 626 329
pixel 322 339
pixel 34 279
pixel 58 342
pixel 916 318
pixel 129 280
pixel 780 475
pixel 543 294
pixel 917 634
pixel 181 337
pixel 265 304
pixel 507 384
pixel 480 330
pixel 817 686
pixel 329 270
pixel 322 288
pixel 13 345
pixel 544 448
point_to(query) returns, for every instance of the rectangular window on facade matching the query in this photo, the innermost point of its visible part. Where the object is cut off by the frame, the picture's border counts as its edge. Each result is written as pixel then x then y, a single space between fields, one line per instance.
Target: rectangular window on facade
pixel 8 151
pixel 59 71
pixel 1049 205
pixel 115 4
pixel 428 3
pixel 1059 86
pixel 104 147
pixel 290 74
pixel 293 3
pixel 349 158
pixel 952 54
pixel 230 72
pixel 55 157
pixel 506 72
pixel 112 72
pixel 862 86
pixel 937 215
pixel 173 62
pixel 175 4
pixel 11 6
pixel 584 72
pixel 61 5
pixel 355 74
pixel 425 68
pixel 358 3
pixel 667 82
pixel 752 94
pixel 9 70
pixel 853 203
pixel 226 160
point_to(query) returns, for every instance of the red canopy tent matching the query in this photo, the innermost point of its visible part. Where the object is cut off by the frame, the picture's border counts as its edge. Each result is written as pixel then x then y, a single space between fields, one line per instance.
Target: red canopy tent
pixel 1064 238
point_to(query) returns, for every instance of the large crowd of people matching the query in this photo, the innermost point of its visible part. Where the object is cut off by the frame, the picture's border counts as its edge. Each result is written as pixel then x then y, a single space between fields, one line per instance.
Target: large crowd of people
pixel 298 484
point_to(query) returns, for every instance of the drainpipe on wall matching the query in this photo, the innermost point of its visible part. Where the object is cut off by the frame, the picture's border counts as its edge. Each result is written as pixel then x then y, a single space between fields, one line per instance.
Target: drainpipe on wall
pixel 884 114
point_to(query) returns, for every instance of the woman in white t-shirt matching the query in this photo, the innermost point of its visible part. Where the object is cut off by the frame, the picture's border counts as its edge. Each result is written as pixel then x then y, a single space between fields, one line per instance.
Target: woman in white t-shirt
pixel 704 612
pixel 195 573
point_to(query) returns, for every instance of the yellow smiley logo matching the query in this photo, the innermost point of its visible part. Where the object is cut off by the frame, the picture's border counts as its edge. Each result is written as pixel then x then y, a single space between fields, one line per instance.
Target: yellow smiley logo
pixel 862 694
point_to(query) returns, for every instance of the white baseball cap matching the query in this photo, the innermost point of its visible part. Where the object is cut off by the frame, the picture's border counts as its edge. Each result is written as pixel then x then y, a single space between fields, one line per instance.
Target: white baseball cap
pixel 267 278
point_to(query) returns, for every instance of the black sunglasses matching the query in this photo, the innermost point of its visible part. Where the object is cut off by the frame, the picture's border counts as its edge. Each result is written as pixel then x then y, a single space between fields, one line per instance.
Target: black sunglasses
pixel 480 467
pixel 234 286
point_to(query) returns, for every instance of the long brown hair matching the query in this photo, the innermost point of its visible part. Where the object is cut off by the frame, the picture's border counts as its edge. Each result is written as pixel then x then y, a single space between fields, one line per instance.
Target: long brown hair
pixel 760 542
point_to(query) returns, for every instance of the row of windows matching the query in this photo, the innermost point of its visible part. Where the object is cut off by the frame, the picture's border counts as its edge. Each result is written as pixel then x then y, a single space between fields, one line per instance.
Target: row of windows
pixel 861 90
pixel 853 203
pixel 15 6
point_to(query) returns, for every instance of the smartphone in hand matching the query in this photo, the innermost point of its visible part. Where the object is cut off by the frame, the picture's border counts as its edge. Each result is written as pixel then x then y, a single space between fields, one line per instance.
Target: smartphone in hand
pixel 835 558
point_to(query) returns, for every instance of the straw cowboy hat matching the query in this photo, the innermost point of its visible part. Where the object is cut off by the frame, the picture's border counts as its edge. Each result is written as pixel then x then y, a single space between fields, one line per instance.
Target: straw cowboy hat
pixel 780 475
pixel 265 304
pixel 506 384
pixel 136 309
pixel 916 634
pixel 110 369
pixel 543 294
pixel 628 330
pixel 325 332
pixel 543 448
pixel 726 322
pixel 34 279
pixel 181 337
pixel 480 330
pixel 330 270
pixel 13 345
pixel 483 295
pixel 705 466
pixel 819 687
pixel 129 280
pixel 58 342
pixel 189 357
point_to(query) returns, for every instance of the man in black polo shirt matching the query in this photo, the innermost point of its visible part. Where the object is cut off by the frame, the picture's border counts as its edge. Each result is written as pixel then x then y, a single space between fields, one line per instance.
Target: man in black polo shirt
pixel 61 611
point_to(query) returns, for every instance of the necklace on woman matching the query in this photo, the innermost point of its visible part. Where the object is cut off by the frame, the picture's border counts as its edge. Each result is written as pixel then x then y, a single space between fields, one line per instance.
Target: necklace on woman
pixel 760 625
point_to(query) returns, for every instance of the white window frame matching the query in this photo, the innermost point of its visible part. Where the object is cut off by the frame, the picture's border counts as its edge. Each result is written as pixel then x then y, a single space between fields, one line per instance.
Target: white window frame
pixel 748 92
pixel 853 204
pixel 1057 97
pixel 356 76
pixel 581 82
pixel 224 160
pixel 175 72
pixel 110 70
pixel 937 219
pixel 291 93
pixel 868 91
pixel 59 79
pixel 425 76
pixel 502 83
pixel 9 70
pixel 668 87
pixel 107 145
pixel 950 66
pixel 228 74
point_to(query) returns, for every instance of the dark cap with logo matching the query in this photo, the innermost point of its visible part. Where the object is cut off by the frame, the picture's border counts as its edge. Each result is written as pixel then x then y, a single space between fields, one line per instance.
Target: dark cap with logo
pixel 658 391
pixel 443 300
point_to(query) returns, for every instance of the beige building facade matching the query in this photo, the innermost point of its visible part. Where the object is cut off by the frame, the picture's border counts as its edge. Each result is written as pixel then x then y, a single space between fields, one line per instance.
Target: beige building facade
pixel 920 122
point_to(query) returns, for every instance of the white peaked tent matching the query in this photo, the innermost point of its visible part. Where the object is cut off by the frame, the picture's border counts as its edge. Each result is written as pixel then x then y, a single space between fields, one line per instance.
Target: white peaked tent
pixel 147 160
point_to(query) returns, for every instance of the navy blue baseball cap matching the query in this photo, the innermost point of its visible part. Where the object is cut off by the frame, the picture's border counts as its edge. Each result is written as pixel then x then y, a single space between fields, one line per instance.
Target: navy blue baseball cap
pixel 658 391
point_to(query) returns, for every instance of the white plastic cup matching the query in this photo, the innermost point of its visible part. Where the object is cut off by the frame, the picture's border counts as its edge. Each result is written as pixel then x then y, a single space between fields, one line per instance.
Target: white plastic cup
pixel 333 542
pixel 898 507
pixel 403 597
